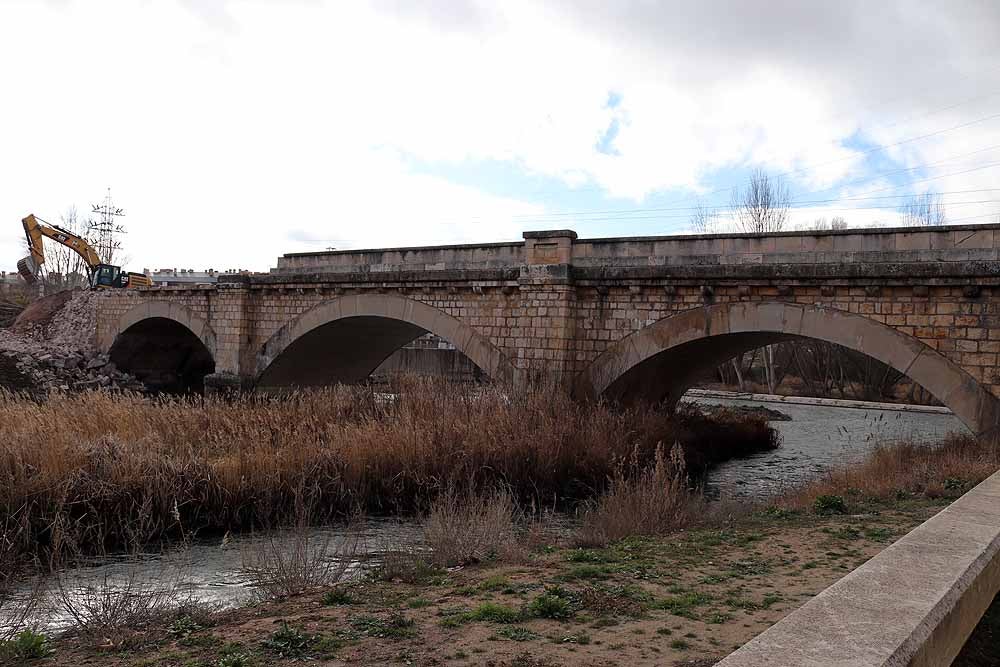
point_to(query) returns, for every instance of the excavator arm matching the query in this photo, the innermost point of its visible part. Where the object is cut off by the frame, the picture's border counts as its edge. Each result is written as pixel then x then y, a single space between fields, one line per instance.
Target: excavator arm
pixel 35 230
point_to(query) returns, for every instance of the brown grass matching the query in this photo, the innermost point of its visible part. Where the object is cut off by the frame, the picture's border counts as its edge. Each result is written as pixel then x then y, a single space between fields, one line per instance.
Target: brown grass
pixel 92 472
pixel 904 469
pixel 465 527
pixel 287 563
pixel 642 499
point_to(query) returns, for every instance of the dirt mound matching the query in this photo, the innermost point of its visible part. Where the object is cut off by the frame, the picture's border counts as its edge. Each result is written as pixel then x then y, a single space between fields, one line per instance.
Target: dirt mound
pixel 40 313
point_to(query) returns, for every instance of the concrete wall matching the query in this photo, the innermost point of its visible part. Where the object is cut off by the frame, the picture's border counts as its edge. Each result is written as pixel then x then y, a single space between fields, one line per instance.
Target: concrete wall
pixel 915 603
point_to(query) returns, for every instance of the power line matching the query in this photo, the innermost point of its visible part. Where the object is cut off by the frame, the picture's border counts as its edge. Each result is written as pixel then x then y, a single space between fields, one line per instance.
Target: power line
pixel 540 217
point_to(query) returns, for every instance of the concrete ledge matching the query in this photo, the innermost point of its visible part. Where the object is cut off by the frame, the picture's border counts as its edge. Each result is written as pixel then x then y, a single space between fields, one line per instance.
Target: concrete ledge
pixel 915 603
pixel 812 400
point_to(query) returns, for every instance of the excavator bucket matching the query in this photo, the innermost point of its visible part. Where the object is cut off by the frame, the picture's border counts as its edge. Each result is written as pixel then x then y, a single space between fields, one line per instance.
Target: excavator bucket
pixel 28 270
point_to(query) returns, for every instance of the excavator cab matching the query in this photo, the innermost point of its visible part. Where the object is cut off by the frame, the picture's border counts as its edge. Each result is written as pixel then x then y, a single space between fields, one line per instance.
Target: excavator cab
pixel 108 275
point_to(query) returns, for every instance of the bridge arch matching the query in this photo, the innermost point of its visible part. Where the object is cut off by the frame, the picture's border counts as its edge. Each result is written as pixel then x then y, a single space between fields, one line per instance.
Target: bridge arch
pixel 345 339
pixel 679 346
pixel 165 344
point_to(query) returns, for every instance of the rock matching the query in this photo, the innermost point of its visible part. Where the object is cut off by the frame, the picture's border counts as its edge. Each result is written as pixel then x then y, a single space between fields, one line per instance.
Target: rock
pixel 96 362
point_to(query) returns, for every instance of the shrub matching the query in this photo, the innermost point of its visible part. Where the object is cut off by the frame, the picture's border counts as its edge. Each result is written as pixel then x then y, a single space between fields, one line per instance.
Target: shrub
pixel 405 565
pixel 288 563
pixel 905 469
pixel 289 641
pixel 101 470
pixel 466 528
pixel 26 645
pixel 337 597
pixel 116 608
pixel 829 505
pixel 551 604
pixel 640 500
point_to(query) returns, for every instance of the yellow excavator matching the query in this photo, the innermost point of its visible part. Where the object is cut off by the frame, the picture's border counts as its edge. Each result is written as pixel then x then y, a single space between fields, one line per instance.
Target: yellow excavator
pixel 101 275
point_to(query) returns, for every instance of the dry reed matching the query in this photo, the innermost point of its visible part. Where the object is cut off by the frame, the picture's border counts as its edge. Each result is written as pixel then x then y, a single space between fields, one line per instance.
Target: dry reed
pixel 96 471
pixel 901 469
pixel 642 499
pixel 466 527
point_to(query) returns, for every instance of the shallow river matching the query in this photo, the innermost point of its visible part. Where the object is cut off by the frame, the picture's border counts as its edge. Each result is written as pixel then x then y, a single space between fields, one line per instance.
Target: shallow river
pixel 816 438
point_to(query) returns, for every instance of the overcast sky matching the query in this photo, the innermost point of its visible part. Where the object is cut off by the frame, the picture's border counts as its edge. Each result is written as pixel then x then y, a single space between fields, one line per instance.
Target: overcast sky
pixel 232 131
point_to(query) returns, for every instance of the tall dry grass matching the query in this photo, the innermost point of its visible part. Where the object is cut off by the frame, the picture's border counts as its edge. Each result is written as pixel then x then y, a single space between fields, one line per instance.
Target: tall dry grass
pixel 91 472
pixel 643 498
pixel 901 469
pixel 467 527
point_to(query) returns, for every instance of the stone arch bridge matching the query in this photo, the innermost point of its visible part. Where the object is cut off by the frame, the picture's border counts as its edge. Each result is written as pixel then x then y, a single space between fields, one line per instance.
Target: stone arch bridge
pixel 623 318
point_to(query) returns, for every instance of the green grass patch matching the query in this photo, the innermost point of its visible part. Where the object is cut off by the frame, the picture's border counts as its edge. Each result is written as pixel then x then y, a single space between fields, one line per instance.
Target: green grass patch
pixel 395 626
pixel 517 633
pixel 682 605
pixel 24 646
pixel 289 641
pixel 554 603
pixel 829 505
pixel 418 603
pixel 337 597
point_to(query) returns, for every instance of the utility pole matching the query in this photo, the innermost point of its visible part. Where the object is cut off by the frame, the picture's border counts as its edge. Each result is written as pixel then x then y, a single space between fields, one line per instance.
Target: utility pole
pixel 105 229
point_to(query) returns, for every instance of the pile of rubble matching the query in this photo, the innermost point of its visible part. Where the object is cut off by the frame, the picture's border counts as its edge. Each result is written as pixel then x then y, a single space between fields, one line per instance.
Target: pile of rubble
pixel 51 346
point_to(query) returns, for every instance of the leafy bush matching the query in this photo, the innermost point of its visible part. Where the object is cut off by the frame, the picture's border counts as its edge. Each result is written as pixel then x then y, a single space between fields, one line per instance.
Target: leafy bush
pixel 289 641
pixel 550 605
pixel 26 645
pixel 828 505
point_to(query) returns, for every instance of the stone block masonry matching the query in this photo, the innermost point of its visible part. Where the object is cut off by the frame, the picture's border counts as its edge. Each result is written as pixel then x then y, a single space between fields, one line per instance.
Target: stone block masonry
pixel 626 318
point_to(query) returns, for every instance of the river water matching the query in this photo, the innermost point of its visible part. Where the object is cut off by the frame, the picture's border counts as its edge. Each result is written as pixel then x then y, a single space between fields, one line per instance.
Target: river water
pixel 816 438
pixel 819 437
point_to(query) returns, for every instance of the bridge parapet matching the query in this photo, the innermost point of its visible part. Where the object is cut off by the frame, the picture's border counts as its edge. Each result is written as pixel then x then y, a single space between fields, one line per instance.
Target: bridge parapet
pixel 958 243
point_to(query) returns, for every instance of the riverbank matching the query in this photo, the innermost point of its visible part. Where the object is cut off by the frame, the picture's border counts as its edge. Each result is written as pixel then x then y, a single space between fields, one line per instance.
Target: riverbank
pixel 693 596
pixel 687 597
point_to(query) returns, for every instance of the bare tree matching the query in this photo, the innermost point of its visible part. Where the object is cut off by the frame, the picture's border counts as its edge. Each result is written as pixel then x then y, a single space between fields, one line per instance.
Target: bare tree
pixel 64 267
pixel 924 210
pixel 834 224
pixel 705 220
pixel 762 206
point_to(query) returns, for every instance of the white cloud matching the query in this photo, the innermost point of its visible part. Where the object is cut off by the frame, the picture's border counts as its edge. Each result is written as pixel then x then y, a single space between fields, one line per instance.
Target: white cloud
pixel 233 131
